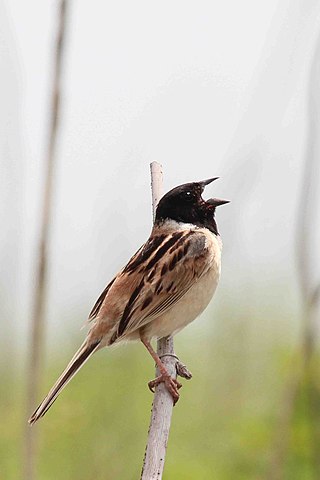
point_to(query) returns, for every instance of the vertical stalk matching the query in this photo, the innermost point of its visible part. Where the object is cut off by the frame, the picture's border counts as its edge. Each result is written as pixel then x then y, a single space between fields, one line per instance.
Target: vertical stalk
pixel 301 374
pixel 161 414
pixel 36 343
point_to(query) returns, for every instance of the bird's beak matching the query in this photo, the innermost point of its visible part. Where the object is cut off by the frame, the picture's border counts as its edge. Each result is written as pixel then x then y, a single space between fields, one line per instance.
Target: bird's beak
pixel 204 183
pixel 216 202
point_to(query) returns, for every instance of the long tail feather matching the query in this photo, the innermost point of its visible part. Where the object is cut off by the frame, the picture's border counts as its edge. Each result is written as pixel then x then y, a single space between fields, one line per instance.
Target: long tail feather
pixel 79 359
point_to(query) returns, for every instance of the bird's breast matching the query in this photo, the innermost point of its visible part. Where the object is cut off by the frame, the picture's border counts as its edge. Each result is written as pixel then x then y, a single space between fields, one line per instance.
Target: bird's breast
pixel 194 302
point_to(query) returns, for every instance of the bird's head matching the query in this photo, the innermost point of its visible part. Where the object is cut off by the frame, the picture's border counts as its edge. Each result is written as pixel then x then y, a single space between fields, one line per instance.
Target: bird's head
pixel 184 204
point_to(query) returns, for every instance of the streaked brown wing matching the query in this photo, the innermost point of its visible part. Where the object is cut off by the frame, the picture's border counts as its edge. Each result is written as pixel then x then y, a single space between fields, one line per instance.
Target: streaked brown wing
pixel 140 263
pixel 164 278
pixel 96 308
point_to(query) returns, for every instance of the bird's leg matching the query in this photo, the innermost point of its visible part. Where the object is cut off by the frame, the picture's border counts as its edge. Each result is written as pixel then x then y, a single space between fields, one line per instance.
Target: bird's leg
pixel 171 384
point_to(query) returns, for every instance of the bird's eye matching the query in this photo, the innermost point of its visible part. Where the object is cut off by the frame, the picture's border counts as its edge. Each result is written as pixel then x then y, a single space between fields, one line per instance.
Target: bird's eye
pixel 187 195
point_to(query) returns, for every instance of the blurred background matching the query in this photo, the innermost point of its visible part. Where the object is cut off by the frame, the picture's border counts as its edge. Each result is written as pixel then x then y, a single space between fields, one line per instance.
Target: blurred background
pixel 227 89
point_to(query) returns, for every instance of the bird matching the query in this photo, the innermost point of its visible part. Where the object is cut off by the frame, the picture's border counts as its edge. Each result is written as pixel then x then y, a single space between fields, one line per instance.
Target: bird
pixel 165 285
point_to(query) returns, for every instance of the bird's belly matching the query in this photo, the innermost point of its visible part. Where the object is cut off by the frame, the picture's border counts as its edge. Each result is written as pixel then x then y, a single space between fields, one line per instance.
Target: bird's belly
pixel 187 309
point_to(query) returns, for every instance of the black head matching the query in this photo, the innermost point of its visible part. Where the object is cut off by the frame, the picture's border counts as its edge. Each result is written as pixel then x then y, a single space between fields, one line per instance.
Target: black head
pixel 185 204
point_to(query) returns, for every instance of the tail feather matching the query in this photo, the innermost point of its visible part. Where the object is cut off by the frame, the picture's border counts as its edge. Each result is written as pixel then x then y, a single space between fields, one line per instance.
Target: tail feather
pixel 79 359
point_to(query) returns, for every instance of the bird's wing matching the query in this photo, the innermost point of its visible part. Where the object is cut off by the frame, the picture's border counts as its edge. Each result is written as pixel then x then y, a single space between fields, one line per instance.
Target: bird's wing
pixel 141 256
pixel 162 272
pixel 96 308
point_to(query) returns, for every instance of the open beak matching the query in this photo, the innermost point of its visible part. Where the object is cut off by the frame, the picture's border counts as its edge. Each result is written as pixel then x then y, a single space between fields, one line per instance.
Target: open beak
pixel 216 202
pixel 204 183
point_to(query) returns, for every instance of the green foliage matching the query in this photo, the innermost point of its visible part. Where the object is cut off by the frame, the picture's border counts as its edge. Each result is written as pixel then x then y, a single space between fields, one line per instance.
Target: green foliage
pixel 224 426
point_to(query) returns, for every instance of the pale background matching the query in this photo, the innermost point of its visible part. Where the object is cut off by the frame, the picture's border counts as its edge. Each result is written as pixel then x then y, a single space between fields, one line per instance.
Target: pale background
pixel 212 88
pixel 207 88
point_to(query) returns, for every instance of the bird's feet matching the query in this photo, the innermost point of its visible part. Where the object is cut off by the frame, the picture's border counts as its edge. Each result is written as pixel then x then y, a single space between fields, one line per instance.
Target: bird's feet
pixel 172 385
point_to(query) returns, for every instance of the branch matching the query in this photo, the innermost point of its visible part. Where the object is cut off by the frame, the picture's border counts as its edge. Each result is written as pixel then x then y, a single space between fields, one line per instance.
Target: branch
pixel 156 185
pixel 37 323
pixel 162 404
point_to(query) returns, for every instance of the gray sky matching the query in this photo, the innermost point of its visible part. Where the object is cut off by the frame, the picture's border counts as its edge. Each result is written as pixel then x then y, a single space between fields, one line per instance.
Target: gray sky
pixel 207 88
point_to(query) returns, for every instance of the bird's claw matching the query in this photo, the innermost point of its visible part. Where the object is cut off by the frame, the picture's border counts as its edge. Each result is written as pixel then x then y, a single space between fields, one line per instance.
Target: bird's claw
pixel 172 385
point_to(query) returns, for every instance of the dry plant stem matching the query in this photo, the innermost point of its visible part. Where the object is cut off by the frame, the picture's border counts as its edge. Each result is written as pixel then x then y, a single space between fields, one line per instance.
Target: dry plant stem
pixel 156 185
pixel 307 251
pixel 306 214
pixel 163 403
pixel 308 209
pixel 160 422
pixel 36 345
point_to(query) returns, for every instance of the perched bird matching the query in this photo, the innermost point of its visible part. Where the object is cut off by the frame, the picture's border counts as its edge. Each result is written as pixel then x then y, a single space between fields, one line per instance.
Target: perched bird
pixel 164 286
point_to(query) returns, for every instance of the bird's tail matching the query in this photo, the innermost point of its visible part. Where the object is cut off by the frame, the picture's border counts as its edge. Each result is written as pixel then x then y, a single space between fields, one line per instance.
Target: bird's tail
pixel 79 359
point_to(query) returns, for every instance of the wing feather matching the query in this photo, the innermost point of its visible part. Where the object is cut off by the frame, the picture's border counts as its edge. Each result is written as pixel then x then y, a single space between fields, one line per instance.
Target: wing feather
pixel 159 274
pixel 175 273
pixel 96 308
